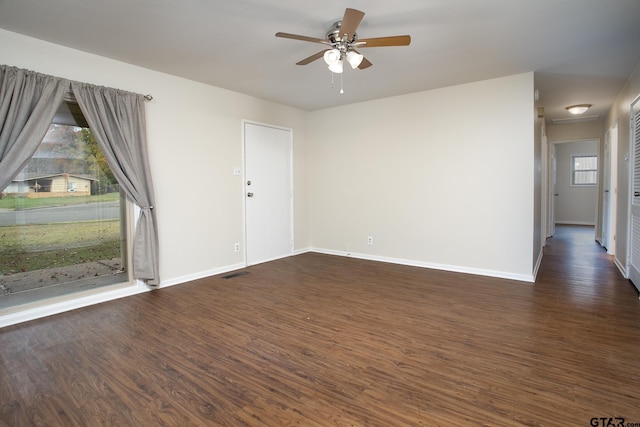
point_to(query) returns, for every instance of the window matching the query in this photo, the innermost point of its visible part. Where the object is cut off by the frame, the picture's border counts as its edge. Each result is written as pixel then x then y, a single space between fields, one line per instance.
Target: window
pixel 62 219
pixel 584 170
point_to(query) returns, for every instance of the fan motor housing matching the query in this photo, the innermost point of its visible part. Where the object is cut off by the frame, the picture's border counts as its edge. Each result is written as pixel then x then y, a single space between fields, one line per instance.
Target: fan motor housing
pixel 334 34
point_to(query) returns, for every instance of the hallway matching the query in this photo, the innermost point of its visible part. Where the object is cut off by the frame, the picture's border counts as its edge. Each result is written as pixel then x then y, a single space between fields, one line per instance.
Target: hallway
pixel 574 263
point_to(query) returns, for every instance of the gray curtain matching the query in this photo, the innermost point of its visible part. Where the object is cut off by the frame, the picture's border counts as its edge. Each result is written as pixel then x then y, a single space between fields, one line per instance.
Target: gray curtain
pixel 117 120
pixel 28 102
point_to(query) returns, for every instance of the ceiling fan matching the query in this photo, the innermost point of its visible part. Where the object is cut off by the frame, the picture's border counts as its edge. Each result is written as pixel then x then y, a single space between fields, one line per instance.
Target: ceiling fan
pixel 342 42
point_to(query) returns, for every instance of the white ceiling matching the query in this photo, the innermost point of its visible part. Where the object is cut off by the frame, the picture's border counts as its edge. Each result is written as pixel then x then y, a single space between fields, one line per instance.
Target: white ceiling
pixel 582 50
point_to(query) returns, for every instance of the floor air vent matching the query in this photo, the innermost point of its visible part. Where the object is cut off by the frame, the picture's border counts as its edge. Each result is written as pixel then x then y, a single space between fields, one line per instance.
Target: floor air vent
pixel 232 275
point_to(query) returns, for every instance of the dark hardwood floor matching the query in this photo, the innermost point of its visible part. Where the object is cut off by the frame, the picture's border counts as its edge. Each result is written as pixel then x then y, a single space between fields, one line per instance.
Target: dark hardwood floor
pixel 318 340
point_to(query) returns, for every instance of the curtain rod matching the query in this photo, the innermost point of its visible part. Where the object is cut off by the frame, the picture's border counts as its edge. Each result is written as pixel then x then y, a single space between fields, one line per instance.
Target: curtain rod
pixel 147 97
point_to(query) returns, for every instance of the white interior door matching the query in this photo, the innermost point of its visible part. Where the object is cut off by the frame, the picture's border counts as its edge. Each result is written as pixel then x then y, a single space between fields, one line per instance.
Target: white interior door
pixel 544 184
pixel 606 193
pixel 613 185
pixel 553 193
pixel 268 193
pixel 634 232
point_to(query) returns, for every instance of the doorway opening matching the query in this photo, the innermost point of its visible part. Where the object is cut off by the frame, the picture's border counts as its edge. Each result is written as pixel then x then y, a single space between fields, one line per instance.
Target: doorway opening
pixel 574 184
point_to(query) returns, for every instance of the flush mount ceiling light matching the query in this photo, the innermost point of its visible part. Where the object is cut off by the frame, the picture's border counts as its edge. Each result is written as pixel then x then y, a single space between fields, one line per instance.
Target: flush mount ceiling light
pixel 578 108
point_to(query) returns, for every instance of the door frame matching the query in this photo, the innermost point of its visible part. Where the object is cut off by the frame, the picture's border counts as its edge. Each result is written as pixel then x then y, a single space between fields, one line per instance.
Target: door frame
pixel 611 139
pixel 551 194
pixel 245 189
pixel 551 205
pixel 632 273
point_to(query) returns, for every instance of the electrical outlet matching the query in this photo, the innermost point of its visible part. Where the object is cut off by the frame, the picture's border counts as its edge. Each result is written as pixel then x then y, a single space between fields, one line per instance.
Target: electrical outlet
pixel 236 247
pixel 370 240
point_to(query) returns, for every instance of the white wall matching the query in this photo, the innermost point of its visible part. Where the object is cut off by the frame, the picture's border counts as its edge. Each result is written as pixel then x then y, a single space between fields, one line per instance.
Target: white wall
pixel 194 134
pixel 574 204
pixel 443 178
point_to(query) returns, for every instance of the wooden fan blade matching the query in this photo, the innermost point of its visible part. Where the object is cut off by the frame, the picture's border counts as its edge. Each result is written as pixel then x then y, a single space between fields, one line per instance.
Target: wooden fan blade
pixel 311 58
pixel 384 41
pixel 364 64
pixel 303 38
pixel 350 22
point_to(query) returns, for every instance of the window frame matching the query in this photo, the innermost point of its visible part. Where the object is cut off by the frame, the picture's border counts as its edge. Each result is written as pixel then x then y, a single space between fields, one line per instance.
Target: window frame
pixel 575 171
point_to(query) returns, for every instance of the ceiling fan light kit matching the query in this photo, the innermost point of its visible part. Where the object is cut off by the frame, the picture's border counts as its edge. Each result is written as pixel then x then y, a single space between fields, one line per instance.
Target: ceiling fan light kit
pixel 342 42
pixel 354 59
pixel 336 67
pixel 333 58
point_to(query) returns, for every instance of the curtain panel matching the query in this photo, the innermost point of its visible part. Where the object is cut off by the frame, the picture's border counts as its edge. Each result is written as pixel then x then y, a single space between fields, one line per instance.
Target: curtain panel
pixel 117 120
pixel 28 103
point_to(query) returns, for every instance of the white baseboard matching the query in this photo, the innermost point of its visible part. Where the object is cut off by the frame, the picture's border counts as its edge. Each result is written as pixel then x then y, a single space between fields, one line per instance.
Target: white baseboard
pixel 200 275
pixel 621 267
pixel 414 263
pixel 576 223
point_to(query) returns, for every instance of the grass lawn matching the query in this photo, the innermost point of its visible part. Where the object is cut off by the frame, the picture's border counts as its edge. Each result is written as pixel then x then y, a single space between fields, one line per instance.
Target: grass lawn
pixel 34 247
pixel 18 202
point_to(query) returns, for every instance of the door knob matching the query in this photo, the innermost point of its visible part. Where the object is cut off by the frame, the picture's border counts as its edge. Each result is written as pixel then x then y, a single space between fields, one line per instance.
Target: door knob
pixel 249 194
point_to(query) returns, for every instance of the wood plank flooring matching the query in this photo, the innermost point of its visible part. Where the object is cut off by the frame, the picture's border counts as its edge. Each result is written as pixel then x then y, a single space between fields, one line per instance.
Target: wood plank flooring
pixel 319 340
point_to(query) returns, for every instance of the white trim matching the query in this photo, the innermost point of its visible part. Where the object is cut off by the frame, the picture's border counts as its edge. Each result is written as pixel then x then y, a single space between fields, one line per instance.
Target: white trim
pixel 17 315
pixel 201 275
pixel 630 166
pixel 301 251
pixel 536 268
pixel 244 195
pixel 621 267
pixel 544 186
pixel 613 188
pixel 445 267
pixel 63 304
pixel 592 224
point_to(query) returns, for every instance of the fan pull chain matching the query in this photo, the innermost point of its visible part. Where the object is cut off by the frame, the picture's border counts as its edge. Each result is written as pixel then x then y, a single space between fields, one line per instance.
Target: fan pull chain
pixel 333 83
